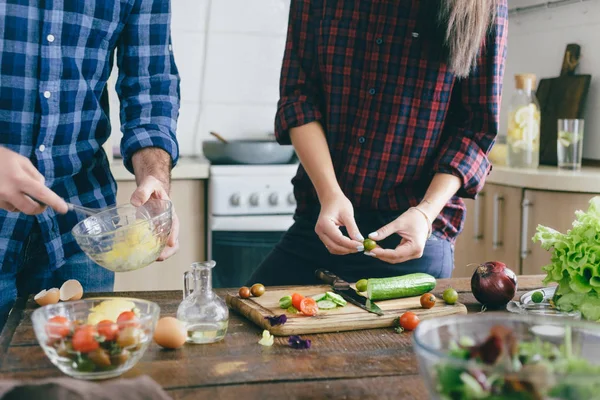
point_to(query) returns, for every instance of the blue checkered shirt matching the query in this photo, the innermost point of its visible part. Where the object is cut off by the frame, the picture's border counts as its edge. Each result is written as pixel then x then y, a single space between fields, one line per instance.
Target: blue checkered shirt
pixel 55 59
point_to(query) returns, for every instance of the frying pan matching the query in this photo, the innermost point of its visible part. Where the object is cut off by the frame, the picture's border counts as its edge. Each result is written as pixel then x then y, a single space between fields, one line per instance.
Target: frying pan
pixel 258 151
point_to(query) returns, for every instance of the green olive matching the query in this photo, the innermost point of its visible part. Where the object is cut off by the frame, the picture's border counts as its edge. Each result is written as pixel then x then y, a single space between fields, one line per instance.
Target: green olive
pixel 121 358
pixel 100 358
pixel 129 337
pixel 369 244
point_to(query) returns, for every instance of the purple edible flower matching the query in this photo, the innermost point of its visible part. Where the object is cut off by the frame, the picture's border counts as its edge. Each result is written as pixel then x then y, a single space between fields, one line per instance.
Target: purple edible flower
pixel 279 320
pixel 297 343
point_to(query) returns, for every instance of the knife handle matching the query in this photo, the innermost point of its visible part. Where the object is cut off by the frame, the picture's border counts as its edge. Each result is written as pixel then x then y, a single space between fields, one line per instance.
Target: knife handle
pixel 331 278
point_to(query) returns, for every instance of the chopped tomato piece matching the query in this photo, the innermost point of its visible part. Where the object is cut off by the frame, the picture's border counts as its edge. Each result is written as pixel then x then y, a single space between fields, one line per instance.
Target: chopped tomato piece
pixel 296 299
pixel 309 307
pixel 58 327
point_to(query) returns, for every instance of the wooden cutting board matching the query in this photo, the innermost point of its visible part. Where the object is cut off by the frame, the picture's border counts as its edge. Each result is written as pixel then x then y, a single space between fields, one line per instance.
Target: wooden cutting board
pixel 563 97
pixel 346 318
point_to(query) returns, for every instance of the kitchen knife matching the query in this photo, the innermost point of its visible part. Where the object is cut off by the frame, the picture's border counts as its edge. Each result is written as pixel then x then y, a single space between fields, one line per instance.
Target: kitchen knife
pixel 341 287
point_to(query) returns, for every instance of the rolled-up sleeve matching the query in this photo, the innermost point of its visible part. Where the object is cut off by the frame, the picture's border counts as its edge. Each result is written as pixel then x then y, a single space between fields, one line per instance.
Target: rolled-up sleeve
pixel 148 84
pixel 473 117
pixel 299 101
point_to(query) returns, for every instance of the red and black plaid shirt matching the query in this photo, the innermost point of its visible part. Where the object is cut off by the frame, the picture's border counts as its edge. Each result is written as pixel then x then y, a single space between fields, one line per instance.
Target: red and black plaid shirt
pixel 374 74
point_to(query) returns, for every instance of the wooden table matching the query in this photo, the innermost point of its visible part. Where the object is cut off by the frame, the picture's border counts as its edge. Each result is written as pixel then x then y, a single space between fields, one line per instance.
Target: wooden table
pixel 376 363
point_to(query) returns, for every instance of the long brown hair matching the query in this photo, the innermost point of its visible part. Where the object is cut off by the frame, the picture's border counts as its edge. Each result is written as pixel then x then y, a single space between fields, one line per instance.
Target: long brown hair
pixel 466 23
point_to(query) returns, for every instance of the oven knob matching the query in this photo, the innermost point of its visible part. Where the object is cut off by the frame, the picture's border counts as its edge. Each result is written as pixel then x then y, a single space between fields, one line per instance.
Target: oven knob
pixel 254 199
pixel 273 199
pixel 291 199
pixel 235 199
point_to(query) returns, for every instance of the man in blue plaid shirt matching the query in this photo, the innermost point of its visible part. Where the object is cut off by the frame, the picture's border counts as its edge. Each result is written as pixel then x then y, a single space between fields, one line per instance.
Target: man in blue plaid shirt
pixel 55 59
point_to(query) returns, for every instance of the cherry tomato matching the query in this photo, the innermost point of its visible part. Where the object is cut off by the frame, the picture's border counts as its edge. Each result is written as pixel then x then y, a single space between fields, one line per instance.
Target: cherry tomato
pixel 296 299
pixel 427 300
pixel 84 339
pixel 244 292
pixel 58 327
pixel 309 307
pixel 409 321
pixel 127 318
pixel 108 329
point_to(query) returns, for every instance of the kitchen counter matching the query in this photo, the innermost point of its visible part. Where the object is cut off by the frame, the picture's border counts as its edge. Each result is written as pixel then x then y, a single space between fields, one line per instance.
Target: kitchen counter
pixel 548 178
pixel 376 363
pixel 187 168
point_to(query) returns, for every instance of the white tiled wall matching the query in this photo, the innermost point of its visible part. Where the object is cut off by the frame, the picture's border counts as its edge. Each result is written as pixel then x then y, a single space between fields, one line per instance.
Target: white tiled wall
pixel 536 43
pixel 229 57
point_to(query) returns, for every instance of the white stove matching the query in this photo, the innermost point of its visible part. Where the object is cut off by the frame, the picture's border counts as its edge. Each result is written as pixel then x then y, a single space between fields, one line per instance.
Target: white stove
pixel 249 208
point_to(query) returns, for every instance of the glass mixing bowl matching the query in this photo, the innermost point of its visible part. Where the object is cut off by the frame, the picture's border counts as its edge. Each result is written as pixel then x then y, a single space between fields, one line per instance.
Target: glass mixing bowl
pixel 78 355
pixel 126 238
pixel 439 342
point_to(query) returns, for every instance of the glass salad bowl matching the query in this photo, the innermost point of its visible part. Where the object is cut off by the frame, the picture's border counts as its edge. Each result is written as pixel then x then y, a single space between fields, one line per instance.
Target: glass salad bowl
pixel 96 338
pixel 126 238
pixel 509 356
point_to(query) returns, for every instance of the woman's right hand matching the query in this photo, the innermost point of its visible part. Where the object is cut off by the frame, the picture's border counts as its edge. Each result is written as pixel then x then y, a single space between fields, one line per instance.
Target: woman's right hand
pixel 337 211
pixel 19 179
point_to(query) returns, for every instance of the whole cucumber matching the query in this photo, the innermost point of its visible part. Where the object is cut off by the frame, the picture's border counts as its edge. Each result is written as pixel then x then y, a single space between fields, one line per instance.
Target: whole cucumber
pixel 400 286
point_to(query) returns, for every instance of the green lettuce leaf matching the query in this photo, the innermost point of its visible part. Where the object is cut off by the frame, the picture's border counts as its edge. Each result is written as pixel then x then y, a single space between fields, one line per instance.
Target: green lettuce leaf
pixel 575 261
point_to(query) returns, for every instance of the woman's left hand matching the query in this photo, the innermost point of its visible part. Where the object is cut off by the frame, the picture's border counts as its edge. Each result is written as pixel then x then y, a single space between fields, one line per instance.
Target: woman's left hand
pixel 413 227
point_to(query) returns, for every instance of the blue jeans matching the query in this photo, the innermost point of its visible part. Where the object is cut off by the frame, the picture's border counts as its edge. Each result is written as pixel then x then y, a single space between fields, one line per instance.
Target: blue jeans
pixel 300 252
pixel 34 274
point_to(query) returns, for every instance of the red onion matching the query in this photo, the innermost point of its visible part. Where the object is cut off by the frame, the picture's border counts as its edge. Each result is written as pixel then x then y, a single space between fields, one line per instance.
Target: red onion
pixel 493 284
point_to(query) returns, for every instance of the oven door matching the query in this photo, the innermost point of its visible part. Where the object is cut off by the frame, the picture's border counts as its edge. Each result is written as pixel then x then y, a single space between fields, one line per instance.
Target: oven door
pixel 239 244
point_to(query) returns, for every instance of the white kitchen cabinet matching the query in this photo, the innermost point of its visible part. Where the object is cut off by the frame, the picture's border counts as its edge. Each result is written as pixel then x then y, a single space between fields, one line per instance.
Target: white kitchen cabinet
pixel 189 202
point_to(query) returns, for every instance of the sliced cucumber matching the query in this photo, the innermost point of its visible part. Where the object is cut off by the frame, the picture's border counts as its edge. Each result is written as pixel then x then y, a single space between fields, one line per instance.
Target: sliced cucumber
pixel 326 305
pixel 336 298
pixel 319 297
pixel 400 286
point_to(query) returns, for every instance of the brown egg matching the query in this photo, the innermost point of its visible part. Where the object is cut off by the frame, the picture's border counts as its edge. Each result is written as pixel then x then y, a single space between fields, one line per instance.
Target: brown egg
pixel 71 290
pixel 45 297
pixel 170 333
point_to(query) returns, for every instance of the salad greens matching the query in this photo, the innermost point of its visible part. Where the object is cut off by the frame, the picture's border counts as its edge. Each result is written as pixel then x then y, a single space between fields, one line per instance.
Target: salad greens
pixel 526 370
pixel 575 262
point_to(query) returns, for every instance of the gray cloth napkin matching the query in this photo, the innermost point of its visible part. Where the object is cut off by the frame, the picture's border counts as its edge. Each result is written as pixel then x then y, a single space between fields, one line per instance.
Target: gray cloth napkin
pixel 141 388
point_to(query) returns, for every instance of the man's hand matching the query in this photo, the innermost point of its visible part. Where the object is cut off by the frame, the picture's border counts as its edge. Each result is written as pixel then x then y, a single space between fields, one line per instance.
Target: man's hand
pixel 337 211
pixel 413 227
pixel 152 173
pixel 19 181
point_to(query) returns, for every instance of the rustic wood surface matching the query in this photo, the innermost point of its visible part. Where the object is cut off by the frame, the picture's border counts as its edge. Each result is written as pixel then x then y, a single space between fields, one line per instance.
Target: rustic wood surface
pixel 374 363
pixel 340 319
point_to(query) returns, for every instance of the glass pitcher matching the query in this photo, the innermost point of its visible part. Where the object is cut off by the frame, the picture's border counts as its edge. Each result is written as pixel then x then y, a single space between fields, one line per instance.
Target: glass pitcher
pixel 524 124
pixel 204 314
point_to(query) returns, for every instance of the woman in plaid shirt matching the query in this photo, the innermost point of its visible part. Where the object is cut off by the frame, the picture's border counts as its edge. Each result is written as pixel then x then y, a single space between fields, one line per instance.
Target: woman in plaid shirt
pixel 392 107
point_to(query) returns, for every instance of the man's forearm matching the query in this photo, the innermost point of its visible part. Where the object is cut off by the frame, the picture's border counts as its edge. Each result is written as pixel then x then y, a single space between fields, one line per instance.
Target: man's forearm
pixel 440 191
pixel 154 162
pixel 312 149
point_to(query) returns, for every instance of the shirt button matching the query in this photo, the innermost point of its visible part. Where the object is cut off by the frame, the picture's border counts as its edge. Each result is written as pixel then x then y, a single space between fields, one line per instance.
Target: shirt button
pixel 379 41
pixel 47 94
pixel 42 148
pixel 50 38
pixel 361 140
pixel 372 91
pixel 415 34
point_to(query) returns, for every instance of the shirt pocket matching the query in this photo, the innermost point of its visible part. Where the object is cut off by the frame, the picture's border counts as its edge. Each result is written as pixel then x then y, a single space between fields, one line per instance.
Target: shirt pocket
pixel 340 52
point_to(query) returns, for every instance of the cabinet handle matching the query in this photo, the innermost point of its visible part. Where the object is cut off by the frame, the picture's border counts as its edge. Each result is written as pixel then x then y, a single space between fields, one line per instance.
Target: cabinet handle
pixel 524 227
pixel 496 241
pixel 478 234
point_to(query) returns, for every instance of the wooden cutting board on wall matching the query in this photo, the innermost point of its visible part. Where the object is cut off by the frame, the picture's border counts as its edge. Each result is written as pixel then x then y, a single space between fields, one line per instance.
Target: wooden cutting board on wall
pixel 347 318
pixel 563 97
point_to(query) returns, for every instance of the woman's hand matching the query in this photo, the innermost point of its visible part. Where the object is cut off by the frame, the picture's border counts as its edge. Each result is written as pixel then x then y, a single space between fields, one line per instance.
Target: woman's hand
pixel 337 211
pixel 414 229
